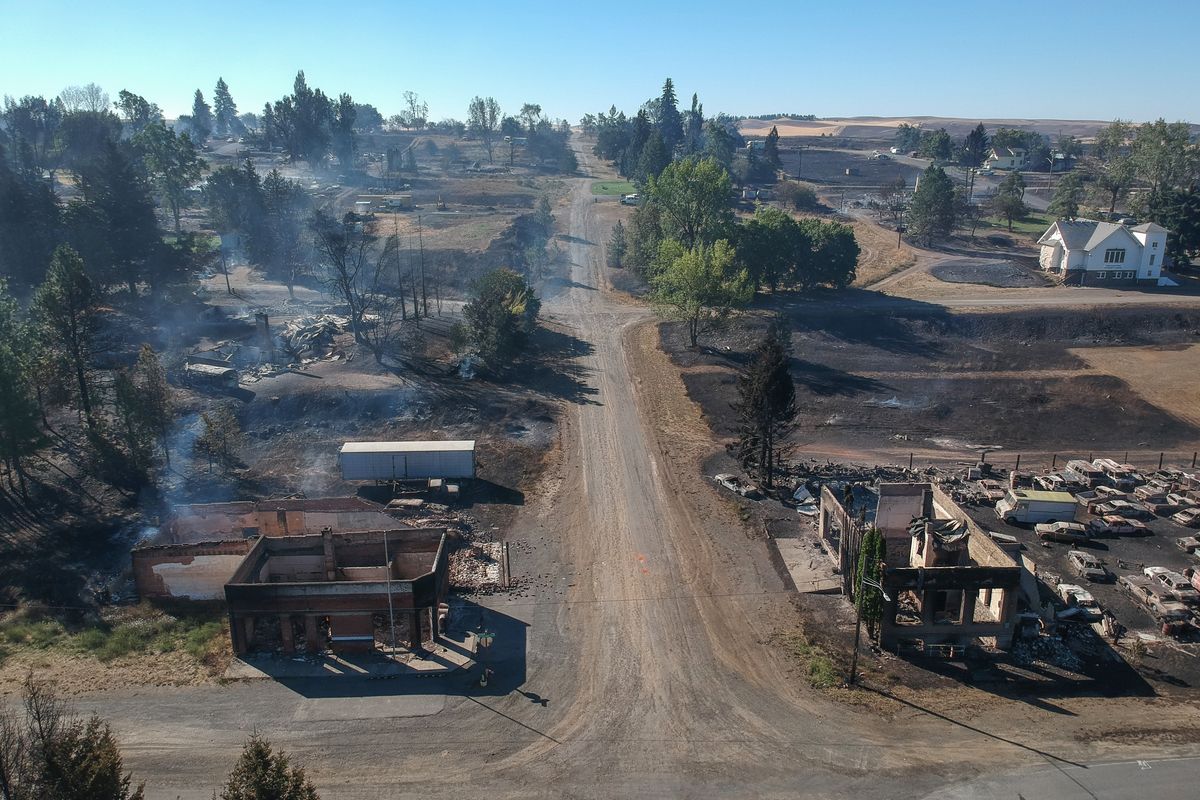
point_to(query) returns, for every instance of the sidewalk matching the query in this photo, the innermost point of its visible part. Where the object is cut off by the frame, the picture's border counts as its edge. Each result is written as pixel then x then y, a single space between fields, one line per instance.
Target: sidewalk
pixel 448 654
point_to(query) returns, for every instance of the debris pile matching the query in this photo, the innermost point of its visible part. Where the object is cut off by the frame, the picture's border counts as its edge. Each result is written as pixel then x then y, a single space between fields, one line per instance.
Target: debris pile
pixel 476 567
pixel 312 334
pixel 1047 650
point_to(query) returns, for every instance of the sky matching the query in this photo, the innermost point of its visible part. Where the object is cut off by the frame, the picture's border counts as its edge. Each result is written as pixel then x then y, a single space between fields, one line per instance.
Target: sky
pixel 1016 59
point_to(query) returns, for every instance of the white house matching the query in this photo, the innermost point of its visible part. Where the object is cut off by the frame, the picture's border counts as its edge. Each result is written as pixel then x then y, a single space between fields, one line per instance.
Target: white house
pixel 1007 158
pixel 1089 253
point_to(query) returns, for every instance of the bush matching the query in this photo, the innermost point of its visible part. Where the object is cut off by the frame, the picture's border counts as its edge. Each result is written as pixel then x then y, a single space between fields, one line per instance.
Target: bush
pixel 199 641
pixel 800 196
pixel 821 673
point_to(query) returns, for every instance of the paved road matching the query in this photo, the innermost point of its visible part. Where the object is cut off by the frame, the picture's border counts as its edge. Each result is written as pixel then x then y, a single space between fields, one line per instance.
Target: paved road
pixel 1118 780
pixel 634 663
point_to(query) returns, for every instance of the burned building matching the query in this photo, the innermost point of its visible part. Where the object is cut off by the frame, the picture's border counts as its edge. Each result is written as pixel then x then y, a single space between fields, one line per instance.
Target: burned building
pixel 949 583
pixel 337 589
pixel 321 572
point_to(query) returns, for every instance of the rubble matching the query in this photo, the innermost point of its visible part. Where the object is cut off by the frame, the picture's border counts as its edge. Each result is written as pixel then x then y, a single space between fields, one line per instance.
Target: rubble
pixel 1047 650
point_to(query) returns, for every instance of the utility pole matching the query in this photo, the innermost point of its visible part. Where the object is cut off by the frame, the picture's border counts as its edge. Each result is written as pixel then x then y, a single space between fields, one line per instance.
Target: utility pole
pixel 391 615
pixel 421 245
pixel 853 678
pixel 399 277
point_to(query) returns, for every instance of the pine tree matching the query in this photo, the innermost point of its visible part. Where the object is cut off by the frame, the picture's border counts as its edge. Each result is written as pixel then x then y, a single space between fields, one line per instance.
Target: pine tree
pixel 202 118
pixel 225 116
pixel 66 308
pixel 771 149
pixel 19 432
pixel 617 245
pixel 263 774
pixel 1009 201
pixel 220 438
pixel 766 406
pixel 932 212
pixel 670 123
pixel 975 147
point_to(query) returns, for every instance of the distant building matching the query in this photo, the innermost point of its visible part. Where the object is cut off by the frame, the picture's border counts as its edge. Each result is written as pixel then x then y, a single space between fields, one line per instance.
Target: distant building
pixel 1085 252
pixel 1007 158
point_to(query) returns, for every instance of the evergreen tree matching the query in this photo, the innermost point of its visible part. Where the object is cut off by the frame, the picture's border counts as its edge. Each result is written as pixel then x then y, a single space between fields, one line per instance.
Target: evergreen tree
pixel 653 160
pixel 871 555
pixel 263 774
pixel 225 114
pixel 144 404
pixel 29 220
pixel 19 432
pixel 1178 210
pixel 932 212
pixel 975 147
pixel 501 318
pixel 202 118
pixel 344 139
pixel 670 123
pixel 771 149
pixel 617 245
pixel 65 307
pixel 220 437
pixel 766 406
pixel 693 127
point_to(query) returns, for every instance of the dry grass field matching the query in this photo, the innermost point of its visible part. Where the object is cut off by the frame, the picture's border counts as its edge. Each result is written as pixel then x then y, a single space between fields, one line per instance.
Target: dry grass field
pixel 1167 376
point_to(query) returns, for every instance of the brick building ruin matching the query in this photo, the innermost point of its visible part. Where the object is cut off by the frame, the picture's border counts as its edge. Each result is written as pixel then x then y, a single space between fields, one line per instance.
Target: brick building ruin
pixel 950 583
pixel 335 573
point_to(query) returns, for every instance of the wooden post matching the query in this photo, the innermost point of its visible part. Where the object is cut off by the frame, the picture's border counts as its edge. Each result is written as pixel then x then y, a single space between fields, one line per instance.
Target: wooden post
pixel 1018 466
pixel 1054 461
pixel 1160 460
pixel 910 461
pixel 1193 459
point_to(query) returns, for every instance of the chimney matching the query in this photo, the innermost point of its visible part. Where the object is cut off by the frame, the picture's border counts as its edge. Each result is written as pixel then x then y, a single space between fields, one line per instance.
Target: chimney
pixel 330 564
pixel 265 340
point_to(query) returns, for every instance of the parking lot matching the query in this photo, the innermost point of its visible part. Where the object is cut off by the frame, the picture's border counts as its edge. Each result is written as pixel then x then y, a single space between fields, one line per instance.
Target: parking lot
pixel 1121 555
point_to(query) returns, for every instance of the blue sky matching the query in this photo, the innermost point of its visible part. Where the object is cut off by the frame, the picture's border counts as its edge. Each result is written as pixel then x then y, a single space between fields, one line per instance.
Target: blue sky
pixel 1066 60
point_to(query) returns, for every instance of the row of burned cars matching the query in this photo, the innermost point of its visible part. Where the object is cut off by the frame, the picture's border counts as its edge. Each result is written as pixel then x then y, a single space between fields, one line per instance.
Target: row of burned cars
pixel 1125 522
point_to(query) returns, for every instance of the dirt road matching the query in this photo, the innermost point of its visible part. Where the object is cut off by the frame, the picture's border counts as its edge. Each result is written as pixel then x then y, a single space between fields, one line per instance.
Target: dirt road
pixel 634 662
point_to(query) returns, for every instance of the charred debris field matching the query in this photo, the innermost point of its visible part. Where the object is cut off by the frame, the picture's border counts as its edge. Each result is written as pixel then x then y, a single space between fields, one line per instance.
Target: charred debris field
pixel 1038 381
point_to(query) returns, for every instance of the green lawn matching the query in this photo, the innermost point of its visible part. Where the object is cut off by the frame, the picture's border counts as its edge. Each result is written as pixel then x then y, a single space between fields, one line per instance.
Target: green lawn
pixel 1032 225
pixel 610 188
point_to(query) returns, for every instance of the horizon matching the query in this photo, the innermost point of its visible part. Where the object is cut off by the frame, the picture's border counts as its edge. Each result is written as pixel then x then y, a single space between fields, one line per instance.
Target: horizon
pixel 259 51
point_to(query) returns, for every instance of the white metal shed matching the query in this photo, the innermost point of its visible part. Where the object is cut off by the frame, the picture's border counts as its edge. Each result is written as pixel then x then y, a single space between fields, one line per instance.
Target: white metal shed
pixel 407 461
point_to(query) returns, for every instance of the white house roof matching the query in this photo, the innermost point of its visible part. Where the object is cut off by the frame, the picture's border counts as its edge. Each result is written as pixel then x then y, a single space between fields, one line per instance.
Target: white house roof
pixel 1088 234
pixel 409 447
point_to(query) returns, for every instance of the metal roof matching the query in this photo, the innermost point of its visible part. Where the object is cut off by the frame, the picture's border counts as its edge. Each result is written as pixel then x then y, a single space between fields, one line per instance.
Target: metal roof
pixel 410 447
pixel 1048 497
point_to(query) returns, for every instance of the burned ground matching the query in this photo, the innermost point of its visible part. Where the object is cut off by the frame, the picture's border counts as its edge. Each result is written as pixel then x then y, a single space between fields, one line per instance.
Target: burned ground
pixel 951 381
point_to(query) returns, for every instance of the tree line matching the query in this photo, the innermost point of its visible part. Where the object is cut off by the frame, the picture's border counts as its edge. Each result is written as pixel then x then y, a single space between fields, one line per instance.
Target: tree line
pixel 46 751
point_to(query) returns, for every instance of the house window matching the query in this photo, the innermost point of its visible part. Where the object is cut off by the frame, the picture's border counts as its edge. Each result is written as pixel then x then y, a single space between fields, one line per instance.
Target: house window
pixel 1152 255
pixel 1154 245
pixel 1114 255
pixel 1102 275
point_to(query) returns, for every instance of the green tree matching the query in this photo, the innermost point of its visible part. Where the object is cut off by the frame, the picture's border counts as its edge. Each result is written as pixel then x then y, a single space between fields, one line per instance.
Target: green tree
pixel 653 160
pixel 49 753
pixel 693 127
pixel 768 245
pixel 1112 167
pixel 719 144
pixel 225 114
pixel 66 308
pixel 483 118
pixel 670 123
pixel 871 555
pixel 766 406
pixel 19 412
pixel 937 145
pixel 1009 202
pixel 931 212
pixel 137 111
pixel 975 147
pixel 344 139
pixel 694 198
pixel 220 438
pixel 33 124
pixel 1067 197
pixel 202 118
pixel 908 137
pixel 29 222
pixel 172 163
pixel 1178 210
pixel 112 224
pixel 278 243
pixel 617 246
pixel 530 114
pixel 699 285
pixel 263 774
pixel 1164 155
pixel 144 403
pixel 771 149
pixel 501 317
pixel 834 255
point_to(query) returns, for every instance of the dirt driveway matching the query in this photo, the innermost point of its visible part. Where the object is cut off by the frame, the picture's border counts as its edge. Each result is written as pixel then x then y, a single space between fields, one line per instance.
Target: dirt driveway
pixel 634 661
